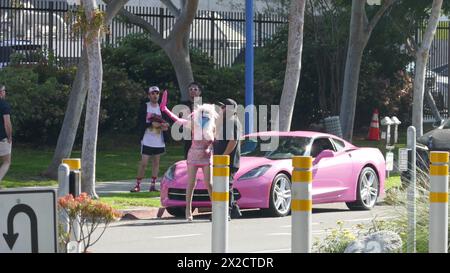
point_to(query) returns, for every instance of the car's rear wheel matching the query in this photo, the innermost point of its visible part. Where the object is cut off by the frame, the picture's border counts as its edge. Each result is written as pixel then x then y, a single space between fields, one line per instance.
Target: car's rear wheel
pixel 280 196
pixel 367 190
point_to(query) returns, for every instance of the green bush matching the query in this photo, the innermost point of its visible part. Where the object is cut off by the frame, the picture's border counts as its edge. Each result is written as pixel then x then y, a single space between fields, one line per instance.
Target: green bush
pixel 120 101
pixel 38 103
pixel 146 64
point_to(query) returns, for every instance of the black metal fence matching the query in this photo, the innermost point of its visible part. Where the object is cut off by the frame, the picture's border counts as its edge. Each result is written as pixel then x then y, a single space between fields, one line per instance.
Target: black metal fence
pixel 437 76
pixel 31 24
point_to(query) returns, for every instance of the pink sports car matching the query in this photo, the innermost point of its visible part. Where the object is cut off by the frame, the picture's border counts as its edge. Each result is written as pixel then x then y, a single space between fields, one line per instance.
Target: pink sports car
pixel 342 172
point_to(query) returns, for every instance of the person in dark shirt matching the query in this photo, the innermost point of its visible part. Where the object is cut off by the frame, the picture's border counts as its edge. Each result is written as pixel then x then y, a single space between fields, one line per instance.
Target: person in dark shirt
pixel 228 143
pixel 5 133
pixel 195 93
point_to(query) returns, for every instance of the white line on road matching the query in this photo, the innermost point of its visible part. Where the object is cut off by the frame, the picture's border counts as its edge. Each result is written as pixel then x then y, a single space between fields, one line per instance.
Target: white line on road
pixel 289 226
pixel 271 250
pixel 278 234
pixel 177 236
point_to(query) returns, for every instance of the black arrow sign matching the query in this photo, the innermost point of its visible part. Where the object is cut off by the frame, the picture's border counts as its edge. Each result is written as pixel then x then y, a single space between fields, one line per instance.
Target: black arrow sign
pixel 11 237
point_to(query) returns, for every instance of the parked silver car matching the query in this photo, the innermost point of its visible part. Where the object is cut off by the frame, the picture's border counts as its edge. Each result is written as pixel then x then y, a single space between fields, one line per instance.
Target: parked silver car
pixel 437 139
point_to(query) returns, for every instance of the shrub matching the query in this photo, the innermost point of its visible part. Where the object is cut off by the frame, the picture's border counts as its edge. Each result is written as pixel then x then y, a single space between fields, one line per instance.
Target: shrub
pixel 87 214
pixel 38 103
pixel 336 241
pixel 398 198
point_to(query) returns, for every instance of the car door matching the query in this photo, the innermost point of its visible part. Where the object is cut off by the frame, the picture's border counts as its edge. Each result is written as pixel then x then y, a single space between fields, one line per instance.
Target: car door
pixel 331 175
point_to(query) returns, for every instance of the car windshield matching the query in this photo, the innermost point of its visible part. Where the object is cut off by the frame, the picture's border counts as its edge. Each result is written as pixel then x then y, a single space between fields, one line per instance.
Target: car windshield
pixel 286 147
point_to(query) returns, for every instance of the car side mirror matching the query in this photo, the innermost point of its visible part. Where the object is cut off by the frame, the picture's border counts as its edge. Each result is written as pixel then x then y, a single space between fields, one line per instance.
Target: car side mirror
pixel 323 154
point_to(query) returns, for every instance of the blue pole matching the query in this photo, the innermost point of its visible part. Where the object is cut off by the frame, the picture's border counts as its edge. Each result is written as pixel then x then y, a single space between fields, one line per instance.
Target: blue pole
pixel 249 64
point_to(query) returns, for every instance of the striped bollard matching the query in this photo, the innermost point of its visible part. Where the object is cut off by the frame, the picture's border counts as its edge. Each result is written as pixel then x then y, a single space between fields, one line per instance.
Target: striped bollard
pixel 301 205
pixel 220 197
pixel 438 241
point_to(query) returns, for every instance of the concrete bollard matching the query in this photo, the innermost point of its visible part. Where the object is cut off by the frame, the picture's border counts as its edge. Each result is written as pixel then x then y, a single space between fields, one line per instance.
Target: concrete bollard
pixel 63 189
pixel 411 192
pixel 220 198
pixel 75 175
pixel 301 204
pixel 438 240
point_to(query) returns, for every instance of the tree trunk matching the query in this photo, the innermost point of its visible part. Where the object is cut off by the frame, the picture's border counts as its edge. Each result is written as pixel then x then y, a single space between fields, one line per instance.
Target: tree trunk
pixel 75 104
pixel 357 42
pixel 178 53
pixel 71 121
pixel 420 67
pixel 294 61
pixel 95 76
pixel 360 31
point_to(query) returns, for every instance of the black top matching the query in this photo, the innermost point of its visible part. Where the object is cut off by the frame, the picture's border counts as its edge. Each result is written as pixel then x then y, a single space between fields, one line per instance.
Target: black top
pixel 5 109
pixel 233 133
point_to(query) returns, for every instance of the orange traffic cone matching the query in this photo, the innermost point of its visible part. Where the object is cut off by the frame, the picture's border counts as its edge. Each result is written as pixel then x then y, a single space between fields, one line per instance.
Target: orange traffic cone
pixel 374 130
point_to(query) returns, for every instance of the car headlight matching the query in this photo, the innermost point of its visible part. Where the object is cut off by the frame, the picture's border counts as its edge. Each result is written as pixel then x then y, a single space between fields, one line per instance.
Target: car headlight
pixel 170 173
pixel 257 172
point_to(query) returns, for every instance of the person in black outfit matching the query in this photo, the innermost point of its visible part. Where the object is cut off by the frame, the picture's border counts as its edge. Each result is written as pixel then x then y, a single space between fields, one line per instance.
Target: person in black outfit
pixel 195 93
pixel 228 143
pixel 5 133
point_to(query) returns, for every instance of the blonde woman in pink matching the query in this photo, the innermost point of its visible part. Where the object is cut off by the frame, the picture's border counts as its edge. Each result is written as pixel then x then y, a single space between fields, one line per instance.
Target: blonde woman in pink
pixel 202 122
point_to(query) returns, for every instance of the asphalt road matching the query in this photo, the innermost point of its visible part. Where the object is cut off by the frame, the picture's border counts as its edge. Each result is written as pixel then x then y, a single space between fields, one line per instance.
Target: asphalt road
pixel 250 234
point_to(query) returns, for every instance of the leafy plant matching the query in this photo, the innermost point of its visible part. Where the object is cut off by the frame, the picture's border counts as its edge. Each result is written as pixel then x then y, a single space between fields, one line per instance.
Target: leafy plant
pixel 336 240
pixel 87 215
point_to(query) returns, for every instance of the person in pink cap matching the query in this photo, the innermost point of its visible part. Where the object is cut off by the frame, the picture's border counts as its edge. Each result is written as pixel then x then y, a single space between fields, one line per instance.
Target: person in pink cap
pixel 202 122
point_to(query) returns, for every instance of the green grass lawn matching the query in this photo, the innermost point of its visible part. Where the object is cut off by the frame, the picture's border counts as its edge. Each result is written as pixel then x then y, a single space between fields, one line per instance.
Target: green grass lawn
pixel 114 162
pixel 127 200
pixel 392 182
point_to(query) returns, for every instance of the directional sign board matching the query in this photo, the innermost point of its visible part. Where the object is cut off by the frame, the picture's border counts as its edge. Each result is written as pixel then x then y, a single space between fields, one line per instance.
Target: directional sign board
pixel 28 221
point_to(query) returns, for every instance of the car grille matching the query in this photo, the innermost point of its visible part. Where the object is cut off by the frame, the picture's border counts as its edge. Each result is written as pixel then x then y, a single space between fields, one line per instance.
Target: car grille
pixel 199 195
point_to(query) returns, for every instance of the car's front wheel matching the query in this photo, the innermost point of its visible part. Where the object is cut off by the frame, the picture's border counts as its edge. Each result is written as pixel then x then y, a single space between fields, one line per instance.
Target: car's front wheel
pixel 280 196
pixel 179 212
pixel 367 190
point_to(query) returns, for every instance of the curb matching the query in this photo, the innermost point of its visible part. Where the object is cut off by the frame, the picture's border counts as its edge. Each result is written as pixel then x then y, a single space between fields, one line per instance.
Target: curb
pixel 144 213
pixel 152 213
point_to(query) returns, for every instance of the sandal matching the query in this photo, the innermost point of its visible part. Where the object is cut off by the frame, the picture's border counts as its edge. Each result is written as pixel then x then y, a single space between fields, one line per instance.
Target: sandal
pixel 152 188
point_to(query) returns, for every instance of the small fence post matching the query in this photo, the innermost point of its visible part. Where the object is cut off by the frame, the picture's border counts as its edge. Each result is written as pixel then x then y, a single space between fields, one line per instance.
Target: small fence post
pixel 50 25
pixel 220 198
pixel 212 33
pixel 301 204
pixel 411 191
pixel 438 240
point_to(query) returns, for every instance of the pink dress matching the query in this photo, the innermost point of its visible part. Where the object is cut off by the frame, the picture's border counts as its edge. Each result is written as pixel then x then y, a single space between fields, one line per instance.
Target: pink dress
pixel 200 153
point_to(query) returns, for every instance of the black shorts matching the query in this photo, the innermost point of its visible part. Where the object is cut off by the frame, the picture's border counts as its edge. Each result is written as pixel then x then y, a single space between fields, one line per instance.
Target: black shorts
pixel 147 150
